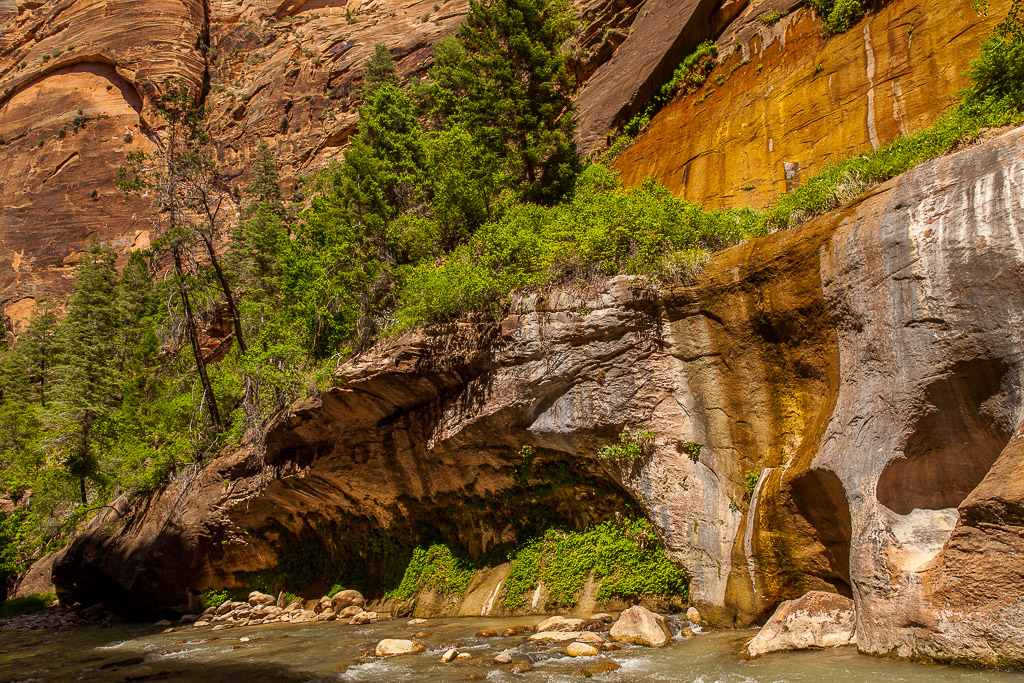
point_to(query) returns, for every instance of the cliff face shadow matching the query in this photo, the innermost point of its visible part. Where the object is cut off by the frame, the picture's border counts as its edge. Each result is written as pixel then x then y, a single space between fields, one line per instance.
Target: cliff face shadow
pixel 821 500
pixel 954 442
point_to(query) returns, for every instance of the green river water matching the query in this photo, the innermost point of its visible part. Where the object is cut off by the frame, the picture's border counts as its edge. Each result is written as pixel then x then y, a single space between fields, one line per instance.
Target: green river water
pixel 337 652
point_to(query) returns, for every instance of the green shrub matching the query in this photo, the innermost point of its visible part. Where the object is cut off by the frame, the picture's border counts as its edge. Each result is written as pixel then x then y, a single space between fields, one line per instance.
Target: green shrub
pixel 625 557
pixel 335 589
pixel 690 75
pixel 997 73
pixel 691 449
pixel 213 598
pixel 838 15
pixel 844 14
pixel 434 568
pixel 750 480
pixel 628 446
pixel 30 604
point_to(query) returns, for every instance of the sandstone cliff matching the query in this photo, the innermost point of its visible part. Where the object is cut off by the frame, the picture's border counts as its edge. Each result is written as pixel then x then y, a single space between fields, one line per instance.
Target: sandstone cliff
pixel 865 369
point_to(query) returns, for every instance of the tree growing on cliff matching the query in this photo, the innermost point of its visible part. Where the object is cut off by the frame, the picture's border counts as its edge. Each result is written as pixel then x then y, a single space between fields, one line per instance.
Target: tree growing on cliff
pixel 504 79
pixel 182 174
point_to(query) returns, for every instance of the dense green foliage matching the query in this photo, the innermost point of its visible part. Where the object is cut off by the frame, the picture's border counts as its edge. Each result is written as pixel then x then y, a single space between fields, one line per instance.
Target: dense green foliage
pixel 30 604
pixel 214 598
pixel 433 568
pixel 601 229
pixel 625 557
pixel 838 15
pixel 750 480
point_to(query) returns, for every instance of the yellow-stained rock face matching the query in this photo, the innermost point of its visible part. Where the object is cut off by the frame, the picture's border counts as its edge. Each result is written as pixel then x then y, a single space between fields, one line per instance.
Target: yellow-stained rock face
pixel 792 102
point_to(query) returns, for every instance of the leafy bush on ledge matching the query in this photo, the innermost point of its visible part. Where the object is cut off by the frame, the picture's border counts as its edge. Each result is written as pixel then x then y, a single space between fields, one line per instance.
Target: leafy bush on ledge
pixel 628 446
pixel 433 568
pixel 625 557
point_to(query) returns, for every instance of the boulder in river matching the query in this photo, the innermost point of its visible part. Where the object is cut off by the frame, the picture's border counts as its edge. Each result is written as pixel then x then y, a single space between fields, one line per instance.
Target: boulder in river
pixel 640 626
pixel 515 630
pixel 390 647
pixel 350 611
pixel 503 658
pixel 559 623
pixel 581 650
pixel 818 619
pixel 449 656
pixel 258 598
pixel 363 618
pixel 589 637
pixel 344 599
pixel 693 616
pixel 556 636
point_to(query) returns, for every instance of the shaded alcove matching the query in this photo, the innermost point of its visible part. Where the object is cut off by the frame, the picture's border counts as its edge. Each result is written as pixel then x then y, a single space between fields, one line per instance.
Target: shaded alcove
pixel 955 440
pixel 821 500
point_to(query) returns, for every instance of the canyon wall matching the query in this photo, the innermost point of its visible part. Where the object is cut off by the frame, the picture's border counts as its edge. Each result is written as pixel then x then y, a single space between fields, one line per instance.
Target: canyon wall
pixel 865 369
pixel 786 101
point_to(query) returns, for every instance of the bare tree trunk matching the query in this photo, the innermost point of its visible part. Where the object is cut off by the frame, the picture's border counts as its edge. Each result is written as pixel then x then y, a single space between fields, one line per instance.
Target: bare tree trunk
pixel 193 337
pixel 236 319
pixel 84 447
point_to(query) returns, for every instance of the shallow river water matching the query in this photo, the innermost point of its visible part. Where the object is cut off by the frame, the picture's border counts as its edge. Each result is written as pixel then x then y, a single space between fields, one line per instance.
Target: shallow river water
pixel 332 652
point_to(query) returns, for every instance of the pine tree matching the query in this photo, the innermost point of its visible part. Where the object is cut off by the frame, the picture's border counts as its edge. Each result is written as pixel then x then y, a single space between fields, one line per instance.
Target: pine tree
pixel 379 69
pixel 258 243
pixel 39 347
pixel 505 79
pixel 138 306
pixel 86 372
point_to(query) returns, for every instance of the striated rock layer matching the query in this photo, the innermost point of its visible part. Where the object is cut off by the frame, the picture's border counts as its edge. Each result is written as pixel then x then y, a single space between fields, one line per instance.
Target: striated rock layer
pixel 786 101
pixel 862 372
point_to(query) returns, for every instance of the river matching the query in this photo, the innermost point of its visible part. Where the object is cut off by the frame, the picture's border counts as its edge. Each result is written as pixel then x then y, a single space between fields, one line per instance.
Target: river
pixel 338 652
